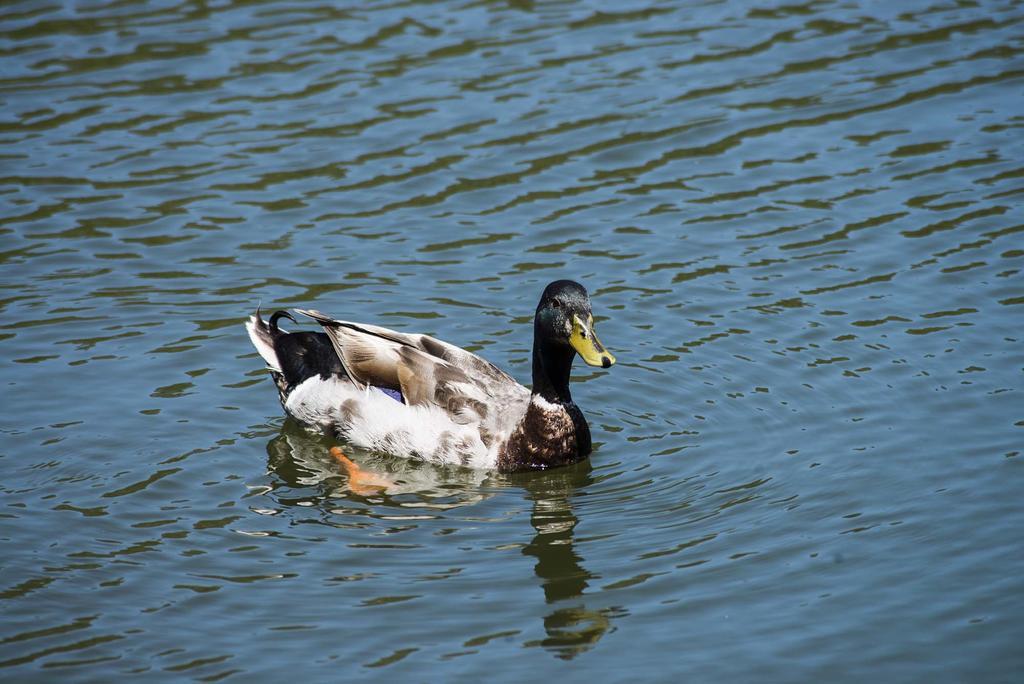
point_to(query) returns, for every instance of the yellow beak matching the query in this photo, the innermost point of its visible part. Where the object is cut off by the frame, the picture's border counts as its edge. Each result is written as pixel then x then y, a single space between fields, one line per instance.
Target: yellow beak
pixel 584 340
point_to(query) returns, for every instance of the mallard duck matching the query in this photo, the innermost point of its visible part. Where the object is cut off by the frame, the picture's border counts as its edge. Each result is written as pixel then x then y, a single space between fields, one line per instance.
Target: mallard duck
pixel 416 396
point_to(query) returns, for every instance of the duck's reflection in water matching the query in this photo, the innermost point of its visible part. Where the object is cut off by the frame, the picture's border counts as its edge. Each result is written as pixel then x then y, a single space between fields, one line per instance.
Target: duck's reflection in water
pixel 302 462
pixel 571 629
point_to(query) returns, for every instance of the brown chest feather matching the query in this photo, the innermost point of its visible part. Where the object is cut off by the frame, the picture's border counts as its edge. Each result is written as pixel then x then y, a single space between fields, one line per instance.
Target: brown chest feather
pixel 549 435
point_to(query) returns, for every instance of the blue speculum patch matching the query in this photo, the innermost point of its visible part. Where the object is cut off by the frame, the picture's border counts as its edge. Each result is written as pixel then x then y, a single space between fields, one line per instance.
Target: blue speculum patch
pixel 394 394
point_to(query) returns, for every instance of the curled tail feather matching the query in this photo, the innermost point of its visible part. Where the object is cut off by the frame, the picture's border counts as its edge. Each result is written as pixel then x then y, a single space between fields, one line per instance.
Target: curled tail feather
pixel 272 323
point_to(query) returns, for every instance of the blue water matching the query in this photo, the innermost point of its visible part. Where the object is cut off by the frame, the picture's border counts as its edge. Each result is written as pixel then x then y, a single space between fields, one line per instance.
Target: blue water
pixel 801 228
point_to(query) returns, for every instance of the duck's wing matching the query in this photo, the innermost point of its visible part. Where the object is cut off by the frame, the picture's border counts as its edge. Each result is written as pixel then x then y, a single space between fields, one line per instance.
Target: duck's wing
pixel 427 370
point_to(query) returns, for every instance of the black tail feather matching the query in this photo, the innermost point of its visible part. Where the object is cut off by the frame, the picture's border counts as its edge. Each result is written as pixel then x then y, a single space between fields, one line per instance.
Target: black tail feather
pixel 303 353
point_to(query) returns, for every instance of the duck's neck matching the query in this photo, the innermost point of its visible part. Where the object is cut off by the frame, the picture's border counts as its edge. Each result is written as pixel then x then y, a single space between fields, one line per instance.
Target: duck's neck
pixel 552 431
pixel 551 366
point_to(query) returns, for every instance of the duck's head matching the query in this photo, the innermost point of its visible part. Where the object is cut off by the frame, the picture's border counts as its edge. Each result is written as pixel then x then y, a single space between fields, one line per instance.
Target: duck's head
pixel 564 318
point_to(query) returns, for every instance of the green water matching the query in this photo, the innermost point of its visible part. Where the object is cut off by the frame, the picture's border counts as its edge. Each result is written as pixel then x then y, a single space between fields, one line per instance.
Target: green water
pixel 801 227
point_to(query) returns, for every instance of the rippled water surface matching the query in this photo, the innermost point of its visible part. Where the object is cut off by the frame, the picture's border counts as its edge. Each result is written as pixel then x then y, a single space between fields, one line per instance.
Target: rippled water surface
pixel 801 225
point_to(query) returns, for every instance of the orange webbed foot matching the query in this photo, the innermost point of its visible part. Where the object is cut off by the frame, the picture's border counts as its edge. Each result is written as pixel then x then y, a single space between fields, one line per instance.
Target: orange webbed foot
pixel 361 482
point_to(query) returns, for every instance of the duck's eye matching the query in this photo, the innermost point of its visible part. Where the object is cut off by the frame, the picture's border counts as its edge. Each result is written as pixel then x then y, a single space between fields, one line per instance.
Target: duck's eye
pixel 556 304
